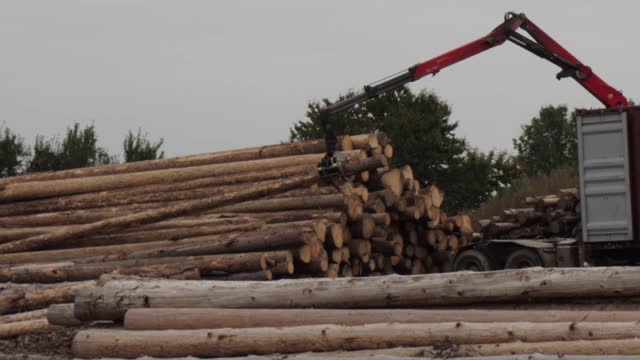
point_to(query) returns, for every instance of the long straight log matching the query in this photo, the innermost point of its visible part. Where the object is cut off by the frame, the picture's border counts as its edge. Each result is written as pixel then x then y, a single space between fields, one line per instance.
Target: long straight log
pixel 35 190
pixel 61 272
pixel 263 240
pixel 66 236
pixel 331 201
pixel 111 301
pixel 134 237
pixel 24 316
pixel 173 191
pixel 238 342
pixel 255 153
pixel 35 326
pixel 214 318
pixel 33 297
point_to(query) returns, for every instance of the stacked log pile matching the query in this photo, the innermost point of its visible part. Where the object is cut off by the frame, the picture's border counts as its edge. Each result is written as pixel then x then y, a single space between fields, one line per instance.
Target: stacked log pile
pixel 252 214
pixel 361 317
pixel 556 215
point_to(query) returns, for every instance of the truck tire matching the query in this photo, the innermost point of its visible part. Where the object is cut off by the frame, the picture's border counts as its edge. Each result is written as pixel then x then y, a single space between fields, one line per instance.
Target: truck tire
pixel 523 258
pixel 472 260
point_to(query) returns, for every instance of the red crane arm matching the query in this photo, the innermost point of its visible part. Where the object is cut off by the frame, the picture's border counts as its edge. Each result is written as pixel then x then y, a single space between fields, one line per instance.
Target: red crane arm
pixel 542 45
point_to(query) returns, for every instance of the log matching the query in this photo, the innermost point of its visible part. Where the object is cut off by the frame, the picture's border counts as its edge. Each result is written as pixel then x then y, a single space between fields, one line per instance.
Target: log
pixel 204 245
pixel 215 318
pixel 181 190
pixel 134 237
pixel 13 329
pixel 24 316
pixel 33 297
pixel 255 153
pixel 66 236
pixel 63 315
pixel 332 201
pixel 238 342
pixel 157 267
pixel 435 194
pixel 110 301
pixel 262 275
pixel 37 189
pixel 365 141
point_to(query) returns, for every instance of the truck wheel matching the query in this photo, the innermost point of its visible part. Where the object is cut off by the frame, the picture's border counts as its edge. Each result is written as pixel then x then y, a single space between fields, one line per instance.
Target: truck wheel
pixel 472 260
pixel 523 258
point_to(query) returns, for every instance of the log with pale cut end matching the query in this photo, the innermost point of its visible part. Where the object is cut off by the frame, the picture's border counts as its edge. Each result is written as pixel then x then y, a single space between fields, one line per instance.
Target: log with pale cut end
pixel 335 255
pixel 436 195
pixel 66 236
pixel 365 141
pixel 359 247
pixel 392 180
pixel 332 271
pixel 388 151
pixel 238 342
pixel 318 264
pixel 335 238
pixel 364 228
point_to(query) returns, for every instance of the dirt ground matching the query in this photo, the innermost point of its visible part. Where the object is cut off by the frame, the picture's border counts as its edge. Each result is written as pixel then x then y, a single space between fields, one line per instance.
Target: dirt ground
pixel 52 345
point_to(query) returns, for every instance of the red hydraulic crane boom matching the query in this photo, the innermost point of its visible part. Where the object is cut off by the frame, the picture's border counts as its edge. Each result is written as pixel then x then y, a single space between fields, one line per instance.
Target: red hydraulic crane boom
pixel 542 45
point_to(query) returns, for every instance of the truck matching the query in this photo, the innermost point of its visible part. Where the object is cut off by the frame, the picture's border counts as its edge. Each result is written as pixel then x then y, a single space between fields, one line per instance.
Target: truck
pixel 608 153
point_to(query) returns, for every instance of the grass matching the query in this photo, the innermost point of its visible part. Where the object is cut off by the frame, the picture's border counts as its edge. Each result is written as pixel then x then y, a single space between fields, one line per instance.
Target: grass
pixel 527 186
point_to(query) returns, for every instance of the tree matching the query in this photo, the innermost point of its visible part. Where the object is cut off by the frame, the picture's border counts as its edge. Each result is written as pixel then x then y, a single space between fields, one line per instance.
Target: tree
pixel 549 141
pixel 138 147
pixel 79 148
pixel 423 136
pixel 13 153
pixel 45 156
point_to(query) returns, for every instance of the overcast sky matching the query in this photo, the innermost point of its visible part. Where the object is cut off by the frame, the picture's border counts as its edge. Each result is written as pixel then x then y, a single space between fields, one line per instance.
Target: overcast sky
pixel 213 75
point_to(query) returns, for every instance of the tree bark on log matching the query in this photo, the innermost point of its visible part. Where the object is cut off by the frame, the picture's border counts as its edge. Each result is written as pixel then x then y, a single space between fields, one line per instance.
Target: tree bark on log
pixel 110 301
pixel 180 190
pixel 23 316
pixel 156 267
pixel 214 318
pixel 66 236
pixel 146 236
pixel 32 297
pixel 238 342
pixel 35 190
pixel 9 330
pixel 255 153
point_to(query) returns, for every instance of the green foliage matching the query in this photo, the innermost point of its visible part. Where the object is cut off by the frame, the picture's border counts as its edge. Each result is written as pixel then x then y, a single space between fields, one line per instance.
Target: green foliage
pixel 79 148
pixel 45 156
pixel 549 142
pixel 541 184
pixel 138 147
pixel 13 153
pixel 422 133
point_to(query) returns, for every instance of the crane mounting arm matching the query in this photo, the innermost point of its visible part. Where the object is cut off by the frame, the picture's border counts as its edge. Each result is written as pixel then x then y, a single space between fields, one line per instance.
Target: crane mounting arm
pixel 539 44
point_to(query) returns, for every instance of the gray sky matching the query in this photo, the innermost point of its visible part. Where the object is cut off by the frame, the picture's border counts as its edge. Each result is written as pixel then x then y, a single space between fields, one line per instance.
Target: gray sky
pixel 213 75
